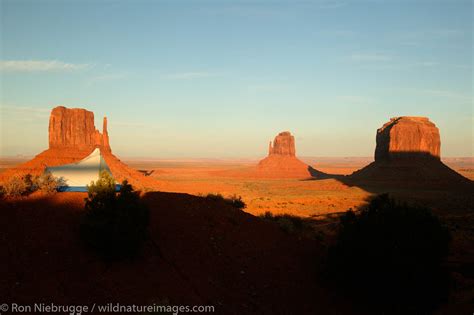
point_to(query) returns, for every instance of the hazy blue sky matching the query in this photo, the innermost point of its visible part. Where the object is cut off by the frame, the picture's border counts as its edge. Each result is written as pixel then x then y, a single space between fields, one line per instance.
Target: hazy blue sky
pixel 222 78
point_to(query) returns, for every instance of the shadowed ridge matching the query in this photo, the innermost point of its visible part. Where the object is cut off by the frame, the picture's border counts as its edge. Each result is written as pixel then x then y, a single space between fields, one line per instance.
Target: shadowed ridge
pixel 200 252
pixel 319 175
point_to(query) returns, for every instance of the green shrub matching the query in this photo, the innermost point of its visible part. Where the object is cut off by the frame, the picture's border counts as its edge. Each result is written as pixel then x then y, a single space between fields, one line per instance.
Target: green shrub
pixel 234 200
pixel 14 187
pixel 114 225
pixel 46 183
pixel 391 254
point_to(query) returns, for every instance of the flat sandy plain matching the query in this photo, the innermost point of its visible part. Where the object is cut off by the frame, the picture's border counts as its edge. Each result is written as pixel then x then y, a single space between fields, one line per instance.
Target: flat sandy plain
pixel 295 196
pixel 301 197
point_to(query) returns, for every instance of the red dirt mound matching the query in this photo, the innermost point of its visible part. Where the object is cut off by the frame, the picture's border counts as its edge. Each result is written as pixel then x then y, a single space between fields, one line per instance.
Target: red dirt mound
pixel 122 171
pixel 282 166
pixel 50 157
pixel 429 174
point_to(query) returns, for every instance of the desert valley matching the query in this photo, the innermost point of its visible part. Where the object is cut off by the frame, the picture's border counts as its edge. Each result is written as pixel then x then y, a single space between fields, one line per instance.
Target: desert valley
pixel 204 245
pixel 236 157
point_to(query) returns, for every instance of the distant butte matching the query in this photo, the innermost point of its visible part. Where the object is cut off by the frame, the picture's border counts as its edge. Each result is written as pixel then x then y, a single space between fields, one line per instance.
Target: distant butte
pixel 281 160
pixel 407 137
pixel 407 154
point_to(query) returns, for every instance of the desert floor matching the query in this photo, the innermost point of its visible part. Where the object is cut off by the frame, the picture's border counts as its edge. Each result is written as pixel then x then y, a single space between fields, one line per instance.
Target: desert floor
pixel 247 262
pixel 302 197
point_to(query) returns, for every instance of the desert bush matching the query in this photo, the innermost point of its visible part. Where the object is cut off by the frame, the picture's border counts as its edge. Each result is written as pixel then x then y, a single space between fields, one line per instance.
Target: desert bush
pixel 29 181
pixel 114 225
pixel 391 254
pixel 287 222
pixel 234 200
pixel 14 187
pixel 46 183
pixel 215 197
pixel 292 224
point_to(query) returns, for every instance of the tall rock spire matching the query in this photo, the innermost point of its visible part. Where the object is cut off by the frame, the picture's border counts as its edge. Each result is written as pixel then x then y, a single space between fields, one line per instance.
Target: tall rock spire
pixel 105 136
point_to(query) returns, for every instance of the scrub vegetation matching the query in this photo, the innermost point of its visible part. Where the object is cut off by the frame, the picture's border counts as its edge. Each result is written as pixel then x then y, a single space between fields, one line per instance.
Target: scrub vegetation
pixel 114 224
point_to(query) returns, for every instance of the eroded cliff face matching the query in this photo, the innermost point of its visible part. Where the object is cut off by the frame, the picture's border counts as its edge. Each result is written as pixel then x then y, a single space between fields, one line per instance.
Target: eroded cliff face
pixel 283 144
pixel 73 128
pixel 407 137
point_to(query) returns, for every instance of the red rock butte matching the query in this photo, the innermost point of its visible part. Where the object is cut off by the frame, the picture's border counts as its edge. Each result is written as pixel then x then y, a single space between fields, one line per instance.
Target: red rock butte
pixel 281 160
pixel 408 153
pixel 407 137
pixel 72 137
pixel 74 128
pixel 284 144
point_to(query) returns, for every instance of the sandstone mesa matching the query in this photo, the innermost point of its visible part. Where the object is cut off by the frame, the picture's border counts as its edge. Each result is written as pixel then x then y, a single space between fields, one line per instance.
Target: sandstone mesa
pixel 407 153
pixel 407 137
pixel 74 128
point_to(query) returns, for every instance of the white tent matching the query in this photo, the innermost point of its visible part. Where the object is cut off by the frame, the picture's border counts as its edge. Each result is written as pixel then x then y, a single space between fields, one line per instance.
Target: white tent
pixel 79 175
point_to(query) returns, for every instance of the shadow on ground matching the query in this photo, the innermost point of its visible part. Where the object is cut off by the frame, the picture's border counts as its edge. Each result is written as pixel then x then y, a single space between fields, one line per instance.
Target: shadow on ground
pixel 200 252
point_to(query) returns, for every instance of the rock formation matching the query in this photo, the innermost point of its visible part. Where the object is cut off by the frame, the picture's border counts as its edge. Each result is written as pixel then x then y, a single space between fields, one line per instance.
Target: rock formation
pixel 281 160
pixel 407 137
pixel 72 137
pixel 74 128
pixel 105 137
pixel 284 144
pixel 407 154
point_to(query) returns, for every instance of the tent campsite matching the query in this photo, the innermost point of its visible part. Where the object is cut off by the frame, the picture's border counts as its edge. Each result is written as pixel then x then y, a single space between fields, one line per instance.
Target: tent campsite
pixel 79 175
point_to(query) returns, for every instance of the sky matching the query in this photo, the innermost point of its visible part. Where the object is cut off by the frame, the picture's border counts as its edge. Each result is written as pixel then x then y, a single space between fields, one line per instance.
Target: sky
pixel 219 79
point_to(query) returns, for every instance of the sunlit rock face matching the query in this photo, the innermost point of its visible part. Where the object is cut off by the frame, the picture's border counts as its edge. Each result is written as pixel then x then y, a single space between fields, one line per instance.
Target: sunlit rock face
pixel 284 144
pixel 408 137
pixel 74 128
